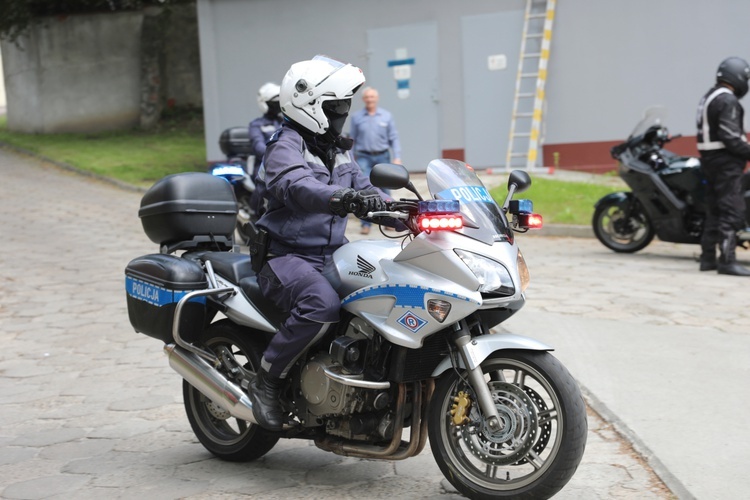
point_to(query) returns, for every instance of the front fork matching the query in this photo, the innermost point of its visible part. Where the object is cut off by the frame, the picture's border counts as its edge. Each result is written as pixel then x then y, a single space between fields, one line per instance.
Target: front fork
pixel 462 339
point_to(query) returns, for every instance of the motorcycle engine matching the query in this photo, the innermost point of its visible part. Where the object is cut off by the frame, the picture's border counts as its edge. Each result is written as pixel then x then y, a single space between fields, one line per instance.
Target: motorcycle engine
pixel 326 397
pixel 323 395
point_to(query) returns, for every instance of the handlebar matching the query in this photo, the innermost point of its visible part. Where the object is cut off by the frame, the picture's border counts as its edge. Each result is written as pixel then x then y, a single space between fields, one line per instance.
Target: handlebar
pixel 404 211
pixel 388 213
pixel 655 137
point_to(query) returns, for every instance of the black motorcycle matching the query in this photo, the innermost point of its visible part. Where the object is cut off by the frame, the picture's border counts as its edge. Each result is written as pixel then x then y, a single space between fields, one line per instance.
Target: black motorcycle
pixel 238 169
pixel 668 197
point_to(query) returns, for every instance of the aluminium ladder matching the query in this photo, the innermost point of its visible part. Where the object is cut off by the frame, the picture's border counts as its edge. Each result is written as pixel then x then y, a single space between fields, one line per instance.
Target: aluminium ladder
pixel 528 101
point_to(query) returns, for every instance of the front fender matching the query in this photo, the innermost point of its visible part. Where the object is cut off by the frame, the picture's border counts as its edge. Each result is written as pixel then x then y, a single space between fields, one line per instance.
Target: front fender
pixel 481 347
pixel 615 198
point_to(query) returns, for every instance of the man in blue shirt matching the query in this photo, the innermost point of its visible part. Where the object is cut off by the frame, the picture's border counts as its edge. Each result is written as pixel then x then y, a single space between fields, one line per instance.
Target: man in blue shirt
pixel 374 133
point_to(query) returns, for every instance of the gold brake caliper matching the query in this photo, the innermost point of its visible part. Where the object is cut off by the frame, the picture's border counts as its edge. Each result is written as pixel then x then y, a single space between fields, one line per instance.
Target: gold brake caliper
pixel 460 409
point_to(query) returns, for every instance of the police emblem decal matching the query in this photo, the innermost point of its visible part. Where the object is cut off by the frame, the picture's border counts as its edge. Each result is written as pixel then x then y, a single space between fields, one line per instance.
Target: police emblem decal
pixel 411 322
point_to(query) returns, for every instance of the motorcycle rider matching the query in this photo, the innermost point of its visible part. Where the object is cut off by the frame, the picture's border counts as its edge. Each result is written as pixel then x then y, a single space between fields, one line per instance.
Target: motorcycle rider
pixel 262 129
pixel 311 184
pixel 724 153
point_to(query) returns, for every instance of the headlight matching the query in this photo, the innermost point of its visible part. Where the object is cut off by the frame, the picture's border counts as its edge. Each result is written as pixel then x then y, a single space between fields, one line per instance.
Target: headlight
pixel 493 276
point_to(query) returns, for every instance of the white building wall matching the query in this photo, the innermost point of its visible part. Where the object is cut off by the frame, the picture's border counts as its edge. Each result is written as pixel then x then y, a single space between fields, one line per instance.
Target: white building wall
pixel 610 59
pixel 245 43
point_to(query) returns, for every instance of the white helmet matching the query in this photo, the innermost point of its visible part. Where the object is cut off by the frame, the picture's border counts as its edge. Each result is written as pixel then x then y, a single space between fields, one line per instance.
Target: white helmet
pixel 309 84
pixel 268 92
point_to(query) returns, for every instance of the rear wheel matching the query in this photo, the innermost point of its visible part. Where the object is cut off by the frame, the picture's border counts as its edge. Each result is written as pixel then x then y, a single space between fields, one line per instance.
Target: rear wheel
pixel 622 226
pixel 227 437
pixel 542 436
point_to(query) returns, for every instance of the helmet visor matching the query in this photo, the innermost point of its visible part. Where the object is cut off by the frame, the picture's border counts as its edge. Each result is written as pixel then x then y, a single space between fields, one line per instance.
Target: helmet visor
pixel 336 110
pixel 337 107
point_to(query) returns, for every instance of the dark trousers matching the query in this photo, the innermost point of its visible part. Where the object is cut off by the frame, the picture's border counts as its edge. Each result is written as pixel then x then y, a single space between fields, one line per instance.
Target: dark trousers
pixel 726 205
pixel 297 284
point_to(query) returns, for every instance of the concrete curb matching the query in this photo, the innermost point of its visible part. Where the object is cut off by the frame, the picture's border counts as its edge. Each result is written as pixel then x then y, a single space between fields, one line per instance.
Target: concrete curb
pixel 564 230
pixel 669 479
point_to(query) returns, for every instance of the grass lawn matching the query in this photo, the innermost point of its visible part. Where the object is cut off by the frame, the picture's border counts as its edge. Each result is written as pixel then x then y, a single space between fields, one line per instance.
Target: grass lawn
pixel 134 156
pixel 562 202
pixel 141 158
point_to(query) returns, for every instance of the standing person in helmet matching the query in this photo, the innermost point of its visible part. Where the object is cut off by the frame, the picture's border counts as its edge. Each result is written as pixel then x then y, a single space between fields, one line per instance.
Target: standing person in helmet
pixel 724 153
pixel 261 129
pixel 374 134
pixel 311 184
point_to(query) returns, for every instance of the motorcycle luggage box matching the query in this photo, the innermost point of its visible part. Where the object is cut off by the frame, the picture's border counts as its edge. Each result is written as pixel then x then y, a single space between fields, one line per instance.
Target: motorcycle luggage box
pixel 154 284
pixel 185 210
pixel 235 141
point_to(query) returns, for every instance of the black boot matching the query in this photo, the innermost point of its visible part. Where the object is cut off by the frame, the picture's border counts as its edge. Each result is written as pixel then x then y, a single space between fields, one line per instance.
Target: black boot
pixel 733 269
pixel 708 256
pixel 265 394
pixel 728 261
pixel 708 264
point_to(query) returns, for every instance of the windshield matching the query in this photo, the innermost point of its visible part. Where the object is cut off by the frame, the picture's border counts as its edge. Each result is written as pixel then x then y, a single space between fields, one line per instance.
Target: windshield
pixel 455 180
pixel 655 115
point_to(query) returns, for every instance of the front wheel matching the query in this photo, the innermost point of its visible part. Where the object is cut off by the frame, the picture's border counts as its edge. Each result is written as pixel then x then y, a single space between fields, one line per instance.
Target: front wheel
pixel 541 440
pixel 622 226
pixel 227 437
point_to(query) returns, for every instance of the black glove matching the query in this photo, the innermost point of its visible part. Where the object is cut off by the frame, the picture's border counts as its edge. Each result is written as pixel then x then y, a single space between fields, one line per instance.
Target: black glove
pixel 367 201
pixel 340 200
pixel 360 203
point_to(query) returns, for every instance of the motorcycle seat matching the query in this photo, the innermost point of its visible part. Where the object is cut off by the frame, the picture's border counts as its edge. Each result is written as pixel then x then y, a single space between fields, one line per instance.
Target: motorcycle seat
pixel 233 266
pixel 251 289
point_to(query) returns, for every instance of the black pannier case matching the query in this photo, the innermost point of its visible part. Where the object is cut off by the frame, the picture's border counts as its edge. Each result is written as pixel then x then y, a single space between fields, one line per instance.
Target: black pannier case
pixel 189 210
pixel 235 142
pixel 154 284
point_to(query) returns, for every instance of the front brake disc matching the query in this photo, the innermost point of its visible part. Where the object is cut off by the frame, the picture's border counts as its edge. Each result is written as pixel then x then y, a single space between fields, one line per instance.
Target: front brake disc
pixel 518 430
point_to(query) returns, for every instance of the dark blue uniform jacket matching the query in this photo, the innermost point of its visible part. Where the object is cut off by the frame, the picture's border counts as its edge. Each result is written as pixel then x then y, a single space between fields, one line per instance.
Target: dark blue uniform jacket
pixel 298 186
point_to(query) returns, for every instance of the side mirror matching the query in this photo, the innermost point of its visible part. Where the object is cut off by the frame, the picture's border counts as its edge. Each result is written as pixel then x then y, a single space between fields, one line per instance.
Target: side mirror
pixel 518 182
pixel 389 176
pixel 520 179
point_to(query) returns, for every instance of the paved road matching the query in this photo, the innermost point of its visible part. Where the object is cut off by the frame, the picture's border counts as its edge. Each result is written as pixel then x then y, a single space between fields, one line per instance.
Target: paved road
pixel 661 346
pixel 90 409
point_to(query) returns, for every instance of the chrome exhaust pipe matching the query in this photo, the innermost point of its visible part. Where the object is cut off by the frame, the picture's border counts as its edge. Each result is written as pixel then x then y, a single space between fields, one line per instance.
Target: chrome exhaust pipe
pixel 210 382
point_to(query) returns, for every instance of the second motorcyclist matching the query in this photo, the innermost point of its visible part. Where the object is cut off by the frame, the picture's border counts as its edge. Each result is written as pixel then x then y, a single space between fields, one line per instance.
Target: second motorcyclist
pixel 261 130
pixel 724 154
pixel 311 184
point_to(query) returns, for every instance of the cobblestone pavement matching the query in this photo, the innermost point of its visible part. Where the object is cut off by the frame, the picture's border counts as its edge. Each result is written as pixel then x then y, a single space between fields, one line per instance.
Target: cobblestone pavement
pixel 90 409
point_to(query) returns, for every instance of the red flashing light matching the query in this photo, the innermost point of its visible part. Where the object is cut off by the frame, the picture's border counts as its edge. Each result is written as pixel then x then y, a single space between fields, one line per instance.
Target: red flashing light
pixel 530 221
pixel 441 222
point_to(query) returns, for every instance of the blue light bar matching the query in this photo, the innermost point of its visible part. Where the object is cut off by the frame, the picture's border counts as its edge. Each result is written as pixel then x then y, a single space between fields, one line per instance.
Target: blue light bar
pixel 521 206
pixel 227 170
pixel 439 207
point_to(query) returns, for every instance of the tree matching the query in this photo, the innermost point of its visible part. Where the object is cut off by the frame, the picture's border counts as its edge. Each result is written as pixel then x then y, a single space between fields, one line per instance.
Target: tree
pixel 18 15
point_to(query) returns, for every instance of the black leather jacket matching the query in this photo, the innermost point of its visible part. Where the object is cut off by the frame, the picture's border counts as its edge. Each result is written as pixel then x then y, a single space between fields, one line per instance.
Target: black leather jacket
pixel 720 124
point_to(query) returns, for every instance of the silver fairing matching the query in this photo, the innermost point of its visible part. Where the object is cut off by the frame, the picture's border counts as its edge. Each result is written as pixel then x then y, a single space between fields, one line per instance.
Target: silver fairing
pixel 390 287
pixel 241 310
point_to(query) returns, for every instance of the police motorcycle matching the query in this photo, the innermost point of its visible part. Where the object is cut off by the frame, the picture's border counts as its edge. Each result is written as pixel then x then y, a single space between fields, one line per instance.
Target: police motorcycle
pixel 668 197
pixel 234 142
pixel 415 346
